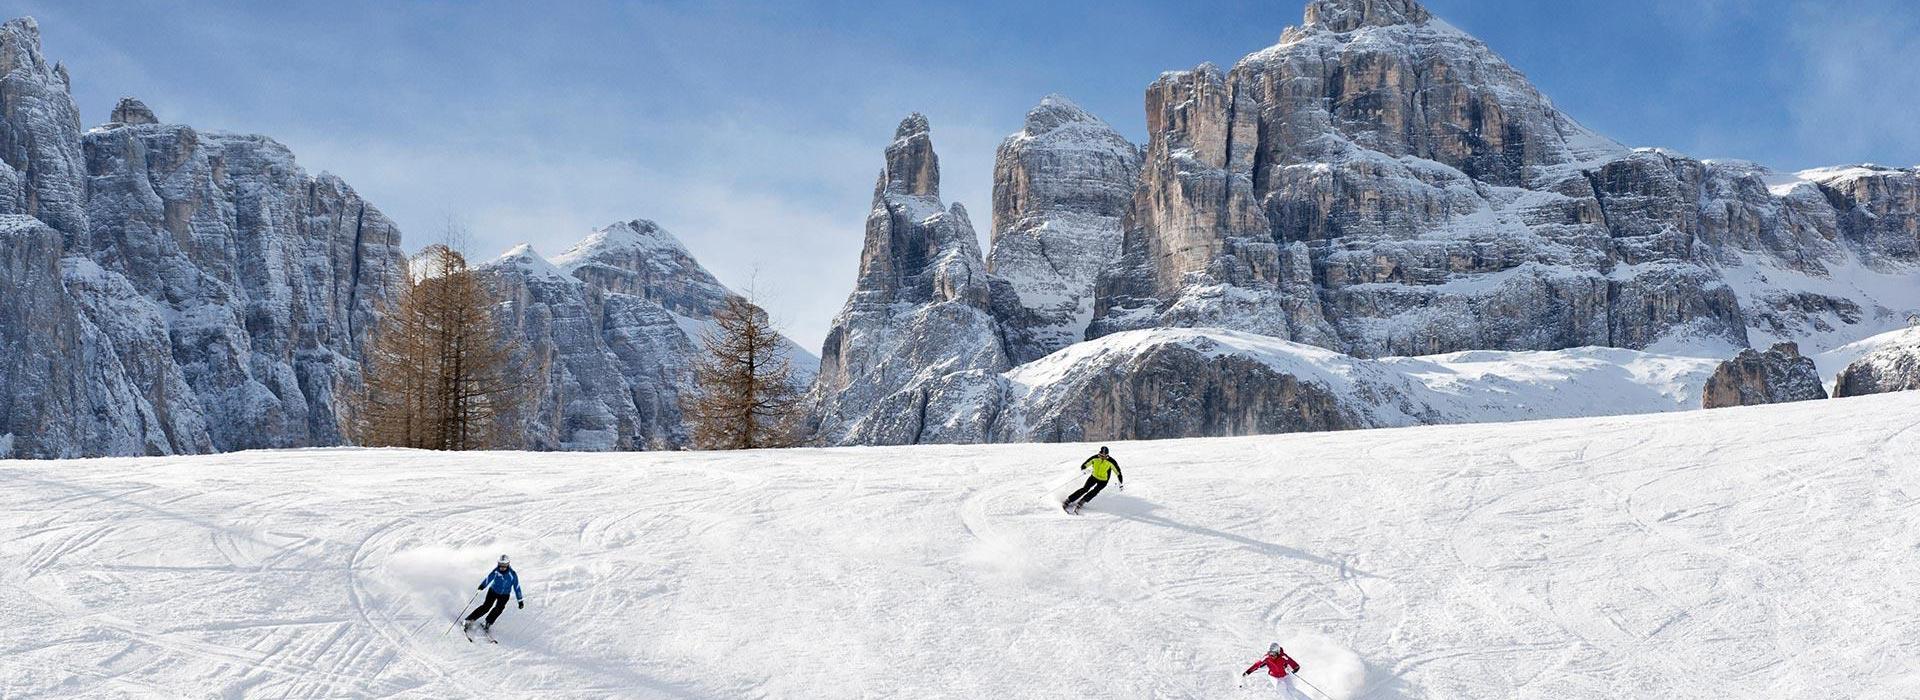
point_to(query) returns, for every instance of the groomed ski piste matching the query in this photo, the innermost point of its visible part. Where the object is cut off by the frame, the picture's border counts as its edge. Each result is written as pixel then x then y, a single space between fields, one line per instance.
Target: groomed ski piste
pixel 1768 552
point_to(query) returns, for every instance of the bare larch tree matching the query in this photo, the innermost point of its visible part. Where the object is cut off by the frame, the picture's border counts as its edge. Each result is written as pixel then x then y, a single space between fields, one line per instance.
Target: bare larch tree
pixel 439 369
pixel 743 396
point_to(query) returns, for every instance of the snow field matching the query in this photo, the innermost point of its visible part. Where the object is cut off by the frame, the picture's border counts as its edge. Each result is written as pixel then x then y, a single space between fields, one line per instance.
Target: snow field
pixel 1741 553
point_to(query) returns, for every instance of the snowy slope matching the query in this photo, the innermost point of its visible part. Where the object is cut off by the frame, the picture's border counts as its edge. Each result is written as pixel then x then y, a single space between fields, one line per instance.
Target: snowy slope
pixel 1835 361
pixel 1072 385
pixel 1745 553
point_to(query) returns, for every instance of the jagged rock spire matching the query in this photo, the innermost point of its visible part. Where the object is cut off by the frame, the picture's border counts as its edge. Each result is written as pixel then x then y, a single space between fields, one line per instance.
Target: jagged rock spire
pixel 132 111
pixel 1348 15
pixel 912 168
pixel 921 302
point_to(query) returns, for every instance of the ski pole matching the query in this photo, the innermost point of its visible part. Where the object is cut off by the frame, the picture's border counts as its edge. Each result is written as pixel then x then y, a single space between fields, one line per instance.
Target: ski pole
pixel 1303 679
pixel 456 616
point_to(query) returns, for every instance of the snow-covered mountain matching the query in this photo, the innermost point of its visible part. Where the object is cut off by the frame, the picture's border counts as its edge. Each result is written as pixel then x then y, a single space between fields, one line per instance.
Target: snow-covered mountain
pixel 615 322
pixel 170 290
pixel 1381 185
pixel 1741 553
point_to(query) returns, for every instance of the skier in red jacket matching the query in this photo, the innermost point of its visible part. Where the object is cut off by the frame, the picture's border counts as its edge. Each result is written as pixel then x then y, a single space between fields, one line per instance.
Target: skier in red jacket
pixel 1278 666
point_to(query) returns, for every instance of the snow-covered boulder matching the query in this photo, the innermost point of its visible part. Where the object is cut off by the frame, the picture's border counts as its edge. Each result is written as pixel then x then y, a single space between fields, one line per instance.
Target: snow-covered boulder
pixel 1753 378
pixel 1893 366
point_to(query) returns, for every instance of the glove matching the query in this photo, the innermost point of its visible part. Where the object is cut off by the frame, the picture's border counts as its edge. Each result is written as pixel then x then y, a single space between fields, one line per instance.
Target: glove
pixel 523 604
pixel 480 587
pixel 1123 487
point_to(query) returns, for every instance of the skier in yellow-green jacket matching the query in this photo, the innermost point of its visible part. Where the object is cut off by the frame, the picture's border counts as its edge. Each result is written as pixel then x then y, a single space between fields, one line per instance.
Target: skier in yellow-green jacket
pixel 1098 467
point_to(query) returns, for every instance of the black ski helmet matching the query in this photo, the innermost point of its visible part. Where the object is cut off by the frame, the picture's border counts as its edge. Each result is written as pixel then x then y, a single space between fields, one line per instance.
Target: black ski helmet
pixel 1103 449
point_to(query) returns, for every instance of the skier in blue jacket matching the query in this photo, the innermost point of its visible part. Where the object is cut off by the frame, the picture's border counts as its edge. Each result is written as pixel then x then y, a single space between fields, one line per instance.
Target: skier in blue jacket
pixel 501 580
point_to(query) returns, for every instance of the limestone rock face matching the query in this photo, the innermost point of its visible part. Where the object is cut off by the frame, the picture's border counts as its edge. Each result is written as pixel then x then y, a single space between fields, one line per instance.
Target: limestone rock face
pixel 1878 209
pixel 63 392
pixel 211 295
pixel 1348 15
pixel 1892 367
pixel 1381 184
pixel 1753 378
pixel 132 111
pixel 1060 186
pixel 270 278
pixel 586 401
pixel 44 173
pixel 921 310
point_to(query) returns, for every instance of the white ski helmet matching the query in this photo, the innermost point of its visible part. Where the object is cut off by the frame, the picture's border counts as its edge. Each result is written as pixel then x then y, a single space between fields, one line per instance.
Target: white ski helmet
pixel 503 560
pixel 1271 649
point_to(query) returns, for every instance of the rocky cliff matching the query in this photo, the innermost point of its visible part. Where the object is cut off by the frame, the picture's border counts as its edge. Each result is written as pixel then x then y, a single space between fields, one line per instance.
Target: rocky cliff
pixel 611 329
pixel 1755 378
pixel 1060 186
pixel 211 295
pixel 1380 183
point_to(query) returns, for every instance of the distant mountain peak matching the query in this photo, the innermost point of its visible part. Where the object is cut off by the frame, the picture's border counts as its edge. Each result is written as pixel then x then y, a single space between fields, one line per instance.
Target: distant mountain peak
pixel 620 237
pixel 1055 111
pixel 525 258
pixel 1349 15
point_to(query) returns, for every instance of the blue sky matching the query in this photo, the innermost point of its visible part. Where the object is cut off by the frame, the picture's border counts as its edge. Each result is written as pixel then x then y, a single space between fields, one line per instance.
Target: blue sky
pixel 753 130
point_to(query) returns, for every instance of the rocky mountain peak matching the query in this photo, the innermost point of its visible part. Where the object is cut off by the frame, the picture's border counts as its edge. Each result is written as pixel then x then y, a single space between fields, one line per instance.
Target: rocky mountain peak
pixel 133 111
pixel 524 258
pixel 25 28
pixel 1055 111
pixel 1349 15
pixel 912 168
pixel 636 236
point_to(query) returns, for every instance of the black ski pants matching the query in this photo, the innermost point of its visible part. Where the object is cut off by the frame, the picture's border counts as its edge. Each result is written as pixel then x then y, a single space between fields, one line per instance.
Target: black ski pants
pixel 495 604
pixel 1087 491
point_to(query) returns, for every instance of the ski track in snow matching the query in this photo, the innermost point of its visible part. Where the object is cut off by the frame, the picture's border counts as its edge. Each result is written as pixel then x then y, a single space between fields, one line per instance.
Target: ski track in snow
pixel 1738 553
